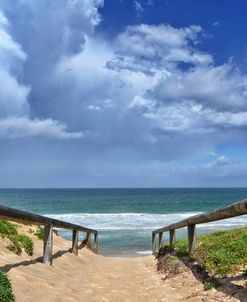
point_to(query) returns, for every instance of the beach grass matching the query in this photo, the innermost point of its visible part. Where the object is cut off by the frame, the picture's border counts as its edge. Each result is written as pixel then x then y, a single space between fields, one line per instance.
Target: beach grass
pixel 40 233
pixel 6 294
pixel 17 241
pixel 220 254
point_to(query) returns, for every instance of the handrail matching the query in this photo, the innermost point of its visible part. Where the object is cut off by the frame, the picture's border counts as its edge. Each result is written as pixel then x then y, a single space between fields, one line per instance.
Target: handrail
pixel 27 217
pixel 12 214
pixel 232 210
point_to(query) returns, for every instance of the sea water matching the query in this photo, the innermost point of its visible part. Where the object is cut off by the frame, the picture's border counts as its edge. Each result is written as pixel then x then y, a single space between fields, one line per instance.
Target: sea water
pixel 125 218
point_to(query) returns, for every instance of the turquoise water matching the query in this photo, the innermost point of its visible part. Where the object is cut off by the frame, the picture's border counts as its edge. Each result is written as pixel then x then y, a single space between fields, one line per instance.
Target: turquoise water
pixel 125 217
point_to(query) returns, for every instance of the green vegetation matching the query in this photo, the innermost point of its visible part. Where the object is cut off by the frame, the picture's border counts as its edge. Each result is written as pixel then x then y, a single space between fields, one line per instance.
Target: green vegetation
pixel 7 228
pixel 220 254
pixel 17 241
pixel 6 294
pixel 26 243
pixel 40 233
pixel 212 283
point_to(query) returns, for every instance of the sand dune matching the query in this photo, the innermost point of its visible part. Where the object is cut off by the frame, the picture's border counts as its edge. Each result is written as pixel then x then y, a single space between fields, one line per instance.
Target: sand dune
pixel 90 277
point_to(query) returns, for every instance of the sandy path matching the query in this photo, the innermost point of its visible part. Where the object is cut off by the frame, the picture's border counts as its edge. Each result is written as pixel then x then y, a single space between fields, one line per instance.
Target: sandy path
pixel 94 278
pixel 88 277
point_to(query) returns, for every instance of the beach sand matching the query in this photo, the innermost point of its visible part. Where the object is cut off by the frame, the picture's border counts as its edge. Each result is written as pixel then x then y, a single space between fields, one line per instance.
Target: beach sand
pixel 90 277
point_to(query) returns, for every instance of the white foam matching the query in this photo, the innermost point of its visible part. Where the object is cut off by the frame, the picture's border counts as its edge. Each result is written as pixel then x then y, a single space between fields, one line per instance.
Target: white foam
pixel 145 252
pixel 139 221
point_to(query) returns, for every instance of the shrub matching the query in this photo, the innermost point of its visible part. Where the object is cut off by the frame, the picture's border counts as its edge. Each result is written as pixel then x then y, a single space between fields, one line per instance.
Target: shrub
pixel 7 228
pixel 26 243
pixel 14 245
pixel 6 294
pixel 40 233
pixel 17 241
pixel 220 253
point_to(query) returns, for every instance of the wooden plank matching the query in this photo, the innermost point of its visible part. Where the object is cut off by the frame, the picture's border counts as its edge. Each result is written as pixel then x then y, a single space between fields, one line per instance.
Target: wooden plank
pixel 75 242
pixel 30 218
pixel 191 238
pixel 171 237
pixel 231 210
pixel 48 242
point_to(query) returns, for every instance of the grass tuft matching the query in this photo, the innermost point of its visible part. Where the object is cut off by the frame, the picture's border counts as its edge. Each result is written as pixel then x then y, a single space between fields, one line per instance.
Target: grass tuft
pixel 17 241
pixel 7 229
pixel 6 294
pixel 40 233
pixel 26 243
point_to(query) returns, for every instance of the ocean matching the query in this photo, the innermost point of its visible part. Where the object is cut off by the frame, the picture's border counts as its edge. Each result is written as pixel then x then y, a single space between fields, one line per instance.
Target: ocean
pixel 126 217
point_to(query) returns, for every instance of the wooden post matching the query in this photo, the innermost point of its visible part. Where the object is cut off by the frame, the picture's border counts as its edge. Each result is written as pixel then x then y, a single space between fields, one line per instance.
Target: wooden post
pixel 153 244
pixel 172 236
pixel 48 240
pixel 160 240
pixel 96 242
pixel 89 240
pixel 191 237
pixel 75 242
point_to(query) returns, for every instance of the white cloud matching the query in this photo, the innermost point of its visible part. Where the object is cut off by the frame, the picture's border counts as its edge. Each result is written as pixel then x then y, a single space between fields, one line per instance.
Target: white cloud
pixel 94 108
pixel 138 7
pixel 212 86
pixel 14 106
pixel 9 49
pixel 150 80
pixel 15 127
pixel 13 97
pixel 144 47
pixel 220 161
pixel 189 117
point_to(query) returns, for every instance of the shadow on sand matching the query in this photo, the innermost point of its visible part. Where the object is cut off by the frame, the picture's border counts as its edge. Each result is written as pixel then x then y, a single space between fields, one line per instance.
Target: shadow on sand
pixel 8 267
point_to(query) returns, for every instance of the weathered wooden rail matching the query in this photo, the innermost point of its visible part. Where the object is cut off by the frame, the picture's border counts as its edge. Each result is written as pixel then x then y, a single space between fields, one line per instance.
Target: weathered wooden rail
pixel 232 210
pixel 50 223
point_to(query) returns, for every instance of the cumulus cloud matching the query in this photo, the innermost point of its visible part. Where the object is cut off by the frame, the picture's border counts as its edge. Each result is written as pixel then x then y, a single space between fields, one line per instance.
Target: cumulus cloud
pixel 13 94
pixel 16 127
pixel 152 91
pixel 212 86
pixel 189 117
pixel 197 98
pixel 220 161
pixel 15 111
pixel 152 47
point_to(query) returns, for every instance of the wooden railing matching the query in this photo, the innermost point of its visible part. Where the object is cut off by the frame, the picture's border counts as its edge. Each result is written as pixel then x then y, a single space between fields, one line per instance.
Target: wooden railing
pixel 50 223
pixel 228 211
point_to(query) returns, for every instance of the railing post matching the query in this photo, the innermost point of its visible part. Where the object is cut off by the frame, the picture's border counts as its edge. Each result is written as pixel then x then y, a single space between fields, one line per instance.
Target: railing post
pixel 89 239
pixel 96 243
pixel 75 242
pixel 48 241
pixel 171 237
pixel 153 243
pixel 160 240
pixel 191 237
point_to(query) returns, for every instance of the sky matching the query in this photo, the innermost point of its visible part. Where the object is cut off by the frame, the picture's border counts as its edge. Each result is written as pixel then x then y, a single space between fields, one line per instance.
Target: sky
pixel 123 93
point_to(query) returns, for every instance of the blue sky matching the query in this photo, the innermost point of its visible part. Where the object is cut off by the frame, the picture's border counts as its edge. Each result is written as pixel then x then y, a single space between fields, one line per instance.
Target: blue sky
pixel 123 93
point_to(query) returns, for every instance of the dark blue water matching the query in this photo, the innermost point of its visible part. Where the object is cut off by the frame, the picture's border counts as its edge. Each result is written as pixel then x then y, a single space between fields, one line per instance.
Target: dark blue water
pixel 125 217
